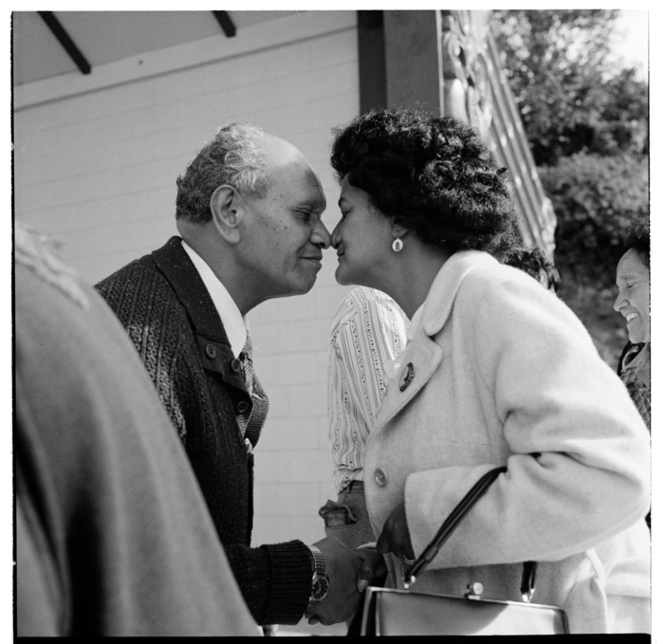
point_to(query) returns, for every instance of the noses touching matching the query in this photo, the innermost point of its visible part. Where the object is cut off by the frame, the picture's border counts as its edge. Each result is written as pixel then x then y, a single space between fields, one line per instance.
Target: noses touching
pixel 320 237
pixel 336 240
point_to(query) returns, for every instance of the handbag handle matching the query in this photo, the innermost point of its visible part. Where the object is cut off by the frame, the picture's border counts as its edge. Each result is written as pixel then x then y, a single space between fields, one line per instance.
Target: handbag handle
pixel 450 524
pixel 453 520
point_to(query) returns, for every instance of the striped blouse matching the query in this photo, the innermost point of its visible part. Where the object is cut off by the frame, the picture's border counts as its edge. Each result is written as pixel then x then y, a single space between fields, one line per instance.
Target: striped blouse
pixel 368 332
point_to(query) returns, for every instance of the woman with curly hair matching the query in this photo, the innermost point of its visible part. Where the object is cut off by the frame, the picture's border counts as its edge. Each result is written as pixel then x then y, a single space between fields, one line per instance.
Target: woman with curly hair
pixel 497 372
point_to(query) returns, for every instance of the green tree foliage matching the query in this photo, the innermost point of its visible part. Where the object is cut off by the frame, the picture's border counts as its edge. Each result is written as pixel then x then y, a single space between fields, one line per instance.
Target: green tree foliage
pixel 570 95
pixel 586 120
pixel 595 198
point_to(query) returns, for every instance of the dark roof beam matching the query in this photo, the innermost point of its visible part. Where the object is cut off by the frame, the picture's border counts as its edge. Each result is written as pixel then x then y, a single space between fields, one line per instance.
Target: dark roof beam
pixel 65 40
pixel 225 23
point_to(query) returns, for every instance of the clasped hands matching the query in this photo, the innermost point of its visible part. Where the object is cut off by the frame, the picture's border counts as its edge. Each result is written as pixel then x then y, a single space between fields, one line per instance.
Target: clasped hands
pixel 351 571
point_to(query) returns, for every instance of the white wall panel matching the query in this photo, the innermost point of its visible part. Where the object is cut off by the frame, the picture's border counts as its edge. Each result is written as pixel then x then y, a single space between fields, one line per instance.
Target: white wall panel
pixel 95 167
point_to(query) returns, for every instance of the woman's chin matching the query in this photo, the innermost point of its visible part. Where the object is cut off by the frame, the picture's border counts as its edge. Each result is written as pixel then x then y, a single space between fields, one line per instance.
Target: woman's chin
pixel 341 276
pixel 346 277
pixel 636 334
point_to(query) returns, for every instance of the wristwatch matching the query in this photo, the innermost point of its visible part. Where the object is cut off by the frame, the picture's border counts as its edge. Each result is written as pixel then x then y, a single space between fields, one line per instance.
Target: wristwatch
pixel 320 582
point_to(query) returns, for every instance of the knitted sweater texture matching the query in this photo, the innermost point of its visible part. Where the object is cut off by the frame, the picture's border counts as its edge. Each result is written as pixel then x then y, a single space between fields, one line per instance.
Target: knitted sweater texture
pixel 164 306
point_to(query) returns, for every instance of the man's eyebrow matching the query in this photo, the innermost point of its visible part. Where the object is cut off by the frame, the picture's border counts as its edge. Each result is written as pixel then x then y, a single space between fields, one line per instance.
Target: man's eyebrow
pixel 313 203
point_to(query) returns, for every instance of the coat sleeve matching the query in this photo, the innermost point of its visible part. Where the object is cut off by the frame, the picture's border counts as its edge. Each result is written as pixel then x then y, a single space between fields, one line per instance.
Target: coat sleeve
pixel 576 450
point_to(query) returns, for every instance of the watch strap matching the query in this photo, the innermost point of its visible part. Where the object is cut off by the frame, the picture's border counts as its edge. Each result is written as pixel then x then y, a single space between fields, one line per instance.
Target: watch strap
pixel 319 580
pixel 318 560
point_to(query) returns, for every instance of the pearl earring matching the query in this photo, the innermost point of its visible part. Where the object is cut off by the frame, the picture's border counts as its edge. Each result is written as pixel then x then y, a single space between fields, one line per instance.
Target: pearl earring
pixel 397 245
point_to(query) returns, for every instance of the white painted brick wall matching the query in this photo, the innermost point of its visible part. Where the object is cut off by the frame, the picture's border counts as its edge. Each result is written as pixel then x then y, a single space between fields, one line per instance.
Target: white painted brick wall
pixel 97 171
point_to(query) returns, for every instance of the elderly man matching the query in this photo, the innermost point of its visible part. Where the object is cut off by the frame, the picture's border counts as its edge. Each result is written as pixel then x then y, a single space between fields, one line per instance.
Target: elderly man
pixel 248 211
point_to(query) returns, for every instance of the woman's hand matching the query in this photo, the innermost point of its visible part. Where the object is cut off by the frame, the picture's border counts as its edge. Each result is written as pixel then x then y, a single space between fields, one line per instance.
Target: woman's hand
pixel 395 537
pixel 373 569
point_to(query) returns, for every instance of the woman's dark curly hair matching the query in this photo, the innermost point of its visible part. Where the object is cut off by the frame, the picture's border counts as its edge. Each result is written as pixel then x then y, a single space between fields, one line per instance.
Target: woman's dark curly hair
pixel 638 238
pixel 432 175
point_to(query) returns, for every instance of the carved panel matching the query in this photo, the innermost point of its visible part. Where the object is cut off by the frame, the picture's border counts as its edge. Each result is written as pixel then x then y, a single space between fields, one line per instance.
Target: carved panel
pixel 466 84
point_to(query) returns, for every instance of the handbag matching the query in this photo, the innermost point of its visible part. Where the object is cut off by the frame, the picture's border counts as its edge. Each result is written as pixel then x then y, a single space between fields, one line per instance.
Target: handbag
pixel 390 611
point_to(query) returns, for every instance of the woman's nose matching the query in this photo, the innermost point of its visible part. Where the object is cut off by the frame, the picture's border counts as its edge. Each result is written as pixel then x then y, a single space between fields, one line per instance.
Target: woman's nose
pixel 335 236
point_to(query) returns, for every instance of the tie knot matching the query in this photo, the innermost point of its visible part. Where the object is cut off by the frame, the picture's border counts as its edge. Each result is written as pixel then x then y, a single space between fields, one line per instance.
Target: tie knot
pixel 247 362
pixel 246 353
pixel 247 348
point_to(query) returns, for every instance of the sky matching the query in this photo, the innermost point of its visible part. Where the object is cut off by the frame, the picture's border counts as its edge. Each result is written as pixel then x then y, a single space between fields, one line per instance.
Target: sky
pixel 631 43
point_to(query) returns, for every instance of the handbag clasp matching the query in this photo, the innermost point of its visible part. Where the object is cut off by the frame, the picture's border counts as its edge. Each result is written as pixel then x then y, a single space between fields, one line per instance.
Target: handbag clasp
pixel 474 591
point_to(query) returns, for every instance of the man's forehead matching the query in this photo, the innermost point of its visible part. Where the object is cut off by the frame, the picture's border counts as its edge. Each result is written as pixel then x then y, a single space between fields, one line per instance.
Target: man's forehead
pixel 279 152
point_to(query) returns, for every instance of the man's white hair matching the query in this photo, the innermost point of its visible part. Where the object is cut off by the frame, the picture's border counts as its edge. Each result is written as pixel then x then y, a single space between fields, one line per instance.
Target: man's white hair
pixel 235 157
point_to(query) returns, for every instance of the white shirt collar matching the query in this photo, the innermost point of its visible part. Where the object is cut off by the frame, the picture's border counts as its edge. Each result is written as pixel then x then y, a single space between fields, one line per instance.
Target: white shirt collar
pixel 234 324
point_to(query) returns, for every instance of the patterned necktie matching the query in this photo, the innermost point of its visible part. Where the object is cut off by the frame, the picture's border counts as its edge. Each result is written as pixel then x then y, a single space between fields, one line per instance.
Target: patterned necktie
pixel 252 423
pixel 247 363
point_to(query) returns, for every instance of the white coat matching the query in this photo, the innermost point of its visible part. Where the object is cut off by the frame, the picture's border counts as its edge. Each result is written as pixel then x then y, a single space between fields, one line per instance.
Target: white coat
pixel 501 372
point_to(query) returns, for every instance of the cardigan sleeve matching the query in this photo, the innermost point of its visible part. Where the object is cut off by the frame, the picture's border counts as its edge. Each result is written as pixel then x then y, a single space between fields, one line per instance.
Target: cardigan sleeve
pixel 275 580
pixel 577 452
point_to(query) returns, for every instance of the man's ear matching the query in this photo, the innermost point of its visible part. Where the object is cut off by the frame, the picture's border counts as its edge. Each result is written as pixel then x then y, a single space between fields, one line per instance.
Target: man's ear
pixel 226 212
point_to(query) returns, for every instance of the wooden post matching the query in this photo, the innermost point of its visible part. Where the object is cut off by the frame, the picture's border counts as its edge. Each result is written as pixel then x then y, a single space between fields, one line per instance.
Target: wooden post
pixel 413 59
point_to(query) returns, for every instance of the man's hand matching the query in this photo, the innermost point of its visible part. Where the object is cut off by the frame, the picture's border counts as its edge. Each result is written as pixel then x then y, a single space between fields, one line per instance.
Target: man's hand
pixel 395 537
pixel 342 566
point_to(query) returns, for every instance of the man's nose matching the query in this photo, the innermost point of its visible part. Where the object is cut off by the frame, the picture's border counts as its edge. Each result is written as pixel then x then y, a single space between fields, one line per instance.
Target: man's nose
pixel 321 236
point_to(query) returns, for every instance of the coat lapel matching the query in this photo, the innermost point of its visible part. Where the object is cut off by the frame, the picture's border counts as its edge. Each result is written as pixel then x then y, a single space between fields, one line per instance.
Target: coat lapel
pixel 420 360
pixel 440 299
pixel 423 354
pixel 214 346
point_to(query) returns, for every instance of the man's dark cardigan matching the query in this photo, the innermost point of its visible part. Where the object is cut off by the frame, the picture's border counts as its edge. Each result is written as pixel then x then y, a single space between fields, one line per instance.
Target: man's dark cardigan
pixel 165 307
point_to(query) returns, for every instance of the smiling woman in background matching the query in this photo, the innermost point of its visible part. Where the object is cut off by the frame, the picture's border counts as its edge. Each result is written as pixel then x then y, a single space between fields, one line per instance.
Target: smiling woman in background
pixel 633 303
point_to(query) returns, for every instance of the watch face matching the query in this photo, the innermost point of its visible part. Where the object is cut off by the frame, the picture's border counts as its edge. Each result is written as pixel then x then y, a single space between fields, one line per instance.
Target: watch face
pixel 320 588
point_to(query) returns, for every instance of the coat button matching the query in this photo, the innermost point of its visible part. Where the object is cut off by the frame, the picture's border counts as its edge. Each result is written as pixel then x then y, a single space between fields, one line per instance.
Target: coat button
pixel 235 365
pixel 380 477
pixel 211 351
pixel 242 407
pixel 406 377
pixel 248 445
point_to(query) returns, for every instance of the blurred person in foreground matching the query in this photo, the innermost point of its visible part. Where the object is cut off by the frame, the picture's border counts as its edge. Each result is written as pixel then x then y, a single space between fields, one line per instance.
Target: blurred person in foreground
pixel 112 533
pixel 248 210
pixel 499 372
pixel 633 303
